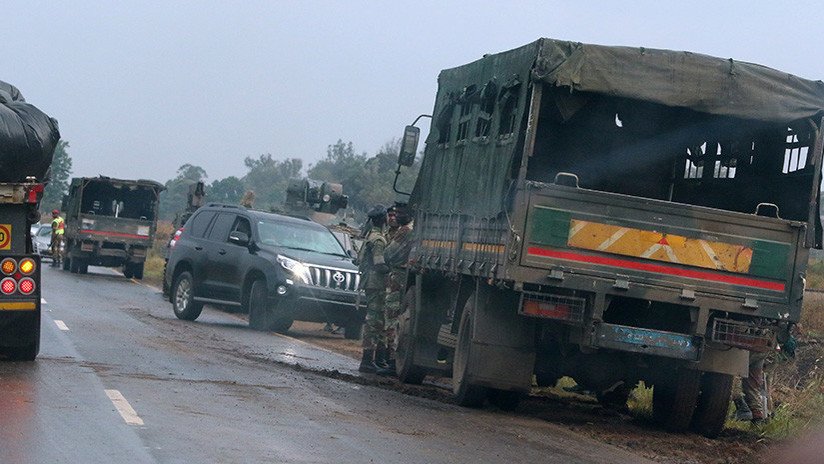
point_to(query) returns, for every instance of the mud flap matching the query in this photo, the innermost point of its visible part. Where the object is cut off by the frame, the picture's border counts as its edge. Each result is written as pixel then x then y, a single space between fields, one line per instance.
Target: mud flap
pixel 723 360
pixel 503 346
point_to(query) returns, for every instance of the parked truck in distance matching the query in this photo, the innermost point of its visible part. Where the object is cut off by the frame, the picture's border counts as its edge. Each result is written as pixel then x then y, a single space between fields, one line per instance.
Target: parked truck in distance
pixel 611 214
pixel 110 222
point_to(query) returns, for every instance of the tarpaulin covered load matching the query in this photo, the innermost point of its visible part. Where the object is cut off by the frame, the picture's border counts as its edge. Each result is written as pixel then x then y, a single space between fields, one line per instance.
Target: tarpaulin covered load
pixel 27 137
pixel 474 147
pixel 680 79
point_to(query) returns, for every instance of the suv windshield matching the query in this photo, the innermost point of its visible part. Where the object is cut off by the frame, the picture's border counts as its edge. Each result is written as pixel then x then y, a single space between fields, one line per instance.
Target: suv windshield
pixel 299 237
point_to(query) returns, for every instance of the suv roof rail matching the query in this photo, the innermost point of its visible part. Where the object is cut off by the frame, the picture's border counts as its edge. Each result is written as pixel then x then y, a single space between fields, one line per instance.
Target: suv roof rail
pixel 223 205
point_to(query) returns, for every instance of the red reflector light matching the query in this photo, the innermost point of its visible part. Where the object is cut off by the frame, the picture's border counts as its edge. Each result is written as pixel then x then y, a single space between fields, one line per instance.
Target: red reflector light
pixel 26 286
pixel 550 310
pixel 8 286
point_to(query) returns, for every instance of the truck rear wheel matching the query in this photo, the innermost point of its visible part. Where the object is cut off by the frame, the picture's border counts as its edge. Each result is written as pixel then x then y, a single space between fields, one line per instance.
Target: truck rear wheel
pixel 408 371
pixel 713 404
pixel 465 392
pixel 674 399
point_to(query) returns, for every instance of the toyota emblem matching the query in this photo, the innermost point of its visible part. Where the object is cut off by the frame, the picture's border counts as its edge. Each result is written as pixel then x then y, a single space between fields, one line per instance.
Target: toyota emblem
pixel 338 277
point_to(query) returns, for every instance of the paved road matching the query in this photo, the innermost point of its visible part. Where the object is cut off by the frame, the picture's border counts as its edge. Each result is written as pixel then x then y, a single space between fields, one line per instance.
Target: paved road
pixel 119 379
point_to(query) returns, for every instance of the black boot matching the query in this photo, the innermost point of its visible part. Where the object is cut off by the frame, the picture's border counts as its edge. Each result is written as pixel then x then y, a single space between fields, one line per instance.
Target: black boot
pixel 367 364
pixel 380 357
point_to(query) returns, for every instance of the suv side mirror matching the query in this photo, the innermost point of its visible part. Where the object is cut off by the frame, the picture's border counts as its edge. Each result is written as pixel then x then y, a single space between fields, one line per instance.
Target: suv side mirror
pixel 352 253
pixel 239 238
pixel 409 146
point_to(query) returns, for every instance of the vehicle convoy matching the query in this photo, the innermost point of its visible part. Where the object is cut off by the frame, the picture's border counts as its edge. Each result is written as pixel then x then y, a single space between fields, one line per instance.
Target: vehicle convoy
pixel 28 138
pixel 110 222
pixel 277 268
pixel 612 214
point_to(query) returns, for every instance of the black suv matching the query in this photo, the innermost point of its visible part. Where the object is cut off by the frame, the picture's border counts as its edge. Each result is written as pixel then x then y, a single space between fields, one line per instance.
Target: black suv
pixel 277 268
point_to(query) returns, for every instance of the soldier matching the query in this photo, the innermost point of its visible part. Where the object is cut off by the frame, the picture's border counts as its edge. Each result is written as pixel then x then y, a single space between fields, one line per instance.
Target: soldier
pixel 397 254
pixel 373 271
pixel 58 229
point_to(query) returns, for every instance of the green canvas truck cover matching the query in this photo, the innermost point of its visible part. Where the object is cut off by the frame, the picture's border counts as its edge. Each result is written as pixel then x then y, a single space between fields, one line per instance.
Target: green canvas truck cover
pixel 470 173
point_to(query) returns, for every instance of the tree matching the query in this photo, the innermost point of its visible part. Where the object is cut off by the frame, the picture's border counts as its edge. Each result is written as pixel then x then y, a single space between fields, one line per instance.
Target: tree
pixel 229 190
pixel 366 180
pixel 60 172
pixel 173 199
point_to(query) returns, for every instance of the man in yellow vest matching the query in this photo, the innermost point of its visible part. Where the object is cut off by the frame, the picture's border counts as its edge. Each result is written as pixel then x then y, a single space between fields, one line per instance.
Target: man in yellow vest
pixel 58 229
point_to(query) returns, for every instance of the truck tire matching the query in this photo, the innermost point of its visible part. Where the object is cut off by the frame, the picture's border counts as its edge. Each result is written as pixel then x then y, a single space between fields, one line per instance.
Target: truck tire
pixel 281 325
pixel 713 404
pixel 259 306
pixel 127 271
pixel 466 393
pixel 66 263
pixel 674 399
pixel 82 266
pixel 137 270
pixel 505 400
pixel 408 371
pixel 183 303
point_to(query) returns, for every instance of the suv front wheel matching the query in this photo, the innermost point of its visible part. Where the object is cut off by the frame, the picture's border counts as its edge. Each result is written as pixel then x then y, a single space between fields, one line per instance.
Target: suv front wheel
pixel 263 312
pixel 183 298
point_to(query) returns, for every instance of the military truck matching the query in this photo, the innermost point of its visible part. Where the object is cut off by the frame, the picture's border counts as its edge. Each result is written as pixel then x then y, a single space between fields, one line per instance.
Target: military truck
pixel 110 222
pixel 613 214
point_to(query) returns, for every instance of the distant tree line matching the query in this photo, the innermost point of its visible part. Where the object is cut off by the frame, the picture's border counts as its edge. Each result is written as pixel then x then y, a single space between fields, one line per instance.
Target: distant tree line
pixel 367 180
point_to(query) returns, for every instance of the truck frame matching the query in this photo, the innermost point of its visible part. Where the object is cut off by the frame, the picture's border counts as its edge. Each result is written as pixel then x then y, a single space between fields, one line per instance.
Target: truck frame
pixel 19 271
pixel 613 214
pixel 110 222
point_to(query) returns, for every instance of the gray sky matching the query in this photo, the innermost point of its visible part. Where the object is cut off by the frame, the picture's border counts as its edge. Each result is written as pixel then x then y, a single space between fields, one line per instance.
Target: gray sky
pixel 141 87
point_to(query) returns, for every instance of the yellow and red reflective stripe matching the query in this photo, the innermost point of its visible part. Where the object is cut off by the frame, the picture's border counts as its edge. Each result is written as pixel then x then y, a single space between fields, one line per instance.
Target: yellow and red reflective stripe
pixel 657 268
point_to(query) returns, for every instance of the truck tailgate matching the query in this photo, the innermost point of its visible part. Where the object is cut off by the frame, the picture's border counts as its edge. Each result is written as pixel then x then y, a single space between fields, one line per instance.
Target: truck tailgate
pixel 660 243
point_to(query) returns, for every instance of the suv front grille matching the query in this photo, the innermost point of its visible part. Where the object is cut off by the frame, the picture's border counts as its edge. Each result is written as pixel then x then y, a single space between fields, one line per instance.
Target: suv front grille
pixel 336 279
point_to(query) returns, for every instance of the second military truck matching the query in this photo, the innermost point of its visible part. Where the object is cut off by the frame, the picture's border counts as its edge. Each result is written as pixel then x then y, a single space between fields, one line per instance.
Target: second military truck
pixel 110 222
pixel 612 214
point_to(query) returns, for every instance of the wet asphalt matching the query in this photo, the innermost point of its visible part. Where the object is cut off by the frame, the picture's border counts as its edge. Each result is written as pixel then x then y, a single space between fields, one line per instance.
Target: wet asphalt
pixel 120 379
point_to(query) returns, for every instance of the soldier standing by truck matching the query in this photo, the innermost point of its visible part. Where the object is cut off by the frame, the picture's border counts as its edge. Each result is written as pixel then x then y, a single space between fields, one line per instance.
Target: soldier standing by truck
pixel 373 269
pixel 396 254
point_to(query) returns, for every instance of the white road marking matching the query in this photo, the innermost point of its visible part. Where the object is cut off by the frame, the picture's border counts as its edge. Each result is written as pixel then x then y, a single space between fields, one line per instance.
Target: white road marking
pixel 61 325
pixel 43 300
pixel 124 408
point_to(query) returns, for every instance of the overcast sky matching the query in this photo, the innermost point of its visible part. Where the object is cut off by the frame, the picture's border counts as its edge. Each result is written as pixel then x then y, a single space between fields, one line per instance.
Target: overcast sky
pixel 142 87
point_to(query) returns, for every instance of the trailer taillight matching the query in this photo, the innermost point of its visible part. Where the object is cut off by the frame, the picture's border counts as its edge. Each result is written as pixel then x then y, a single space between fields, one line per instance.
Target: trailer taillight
pixel 26 285
pixel 27 266
pixel 8 286
pixel 8 266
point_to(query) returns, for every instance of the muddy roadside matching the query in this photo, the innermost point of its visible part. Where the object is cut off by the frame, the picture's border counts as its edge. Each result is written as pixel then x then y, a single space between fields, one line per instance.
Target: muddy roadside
pixel 578 412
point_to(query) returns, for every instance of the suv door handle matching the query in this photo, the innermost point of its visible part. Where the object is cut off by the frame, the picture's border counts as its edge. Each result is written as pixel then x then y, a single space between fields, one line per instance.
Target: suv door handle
pixel 198 248
pixel 221 251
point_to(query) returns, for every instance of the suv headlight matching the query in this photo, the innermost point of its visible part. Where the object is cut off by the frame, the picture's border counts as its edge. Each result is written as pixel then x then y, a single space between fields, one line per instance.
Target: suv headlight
pixel 295 267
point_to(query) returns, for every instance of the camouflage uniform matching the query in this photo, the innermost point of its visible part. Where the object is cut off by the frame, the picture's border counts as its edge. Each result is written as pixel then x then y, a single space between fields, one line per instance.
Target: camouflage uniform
pixel 374 285
pixel 397 253
pixel 754 387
